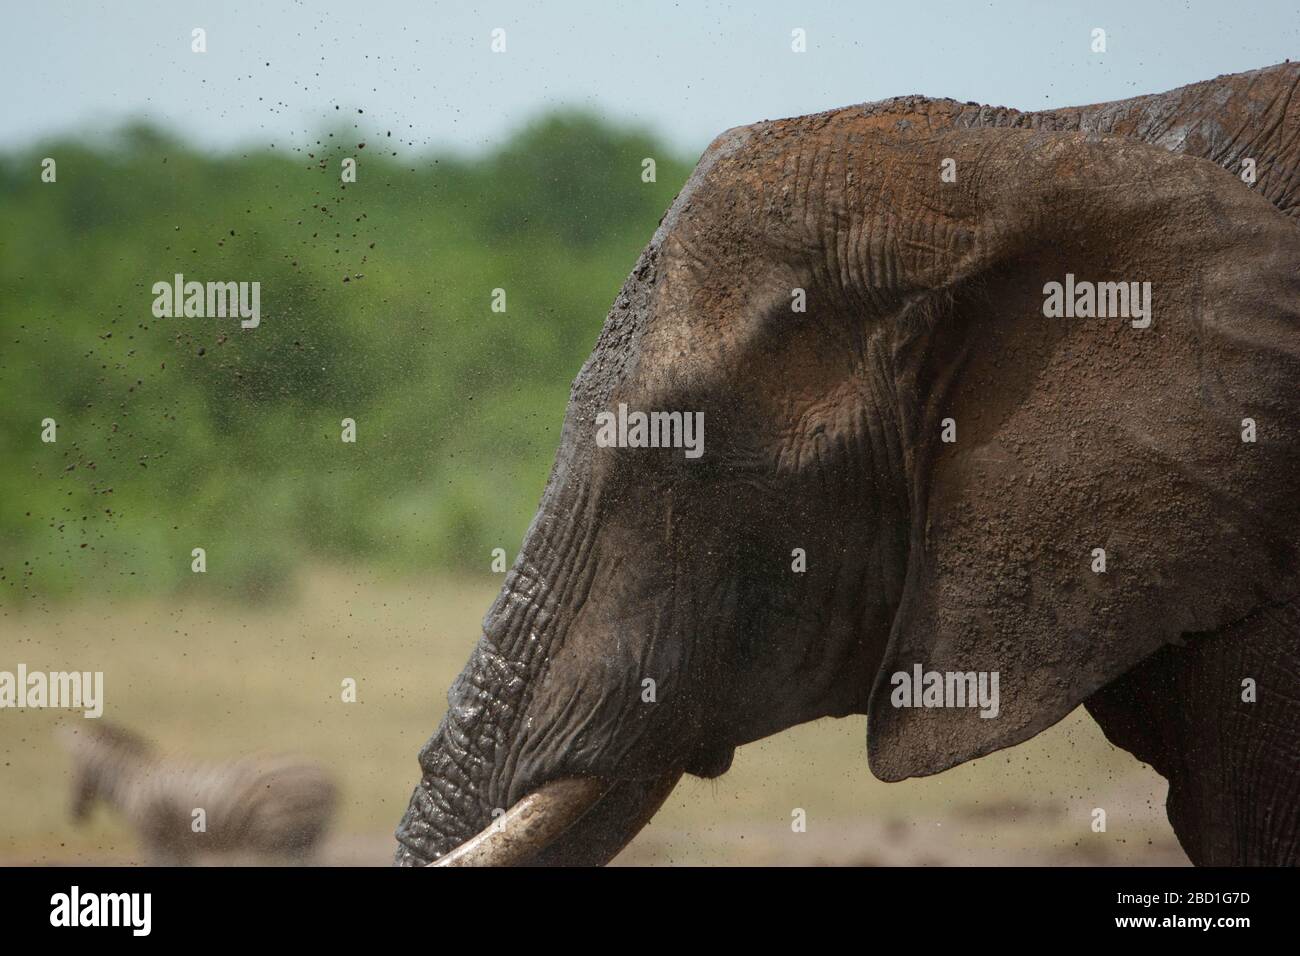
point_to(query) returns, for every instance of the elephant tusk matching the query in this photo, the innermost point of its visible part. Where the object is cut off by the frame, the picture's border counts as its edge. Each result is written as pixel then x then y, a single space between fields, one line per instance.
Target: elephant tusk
pixel 529 826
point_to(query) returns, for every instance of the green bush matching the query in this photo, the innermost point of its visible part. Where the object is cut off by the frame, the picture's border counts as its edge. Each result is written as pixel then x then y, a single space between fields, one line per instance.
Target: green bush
pixel 178 433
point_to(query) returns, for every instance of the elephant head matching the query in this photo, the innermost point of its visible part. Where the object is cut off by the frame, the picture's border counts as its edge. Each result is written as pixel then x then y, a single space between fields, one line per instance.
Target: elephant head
pixel 834 298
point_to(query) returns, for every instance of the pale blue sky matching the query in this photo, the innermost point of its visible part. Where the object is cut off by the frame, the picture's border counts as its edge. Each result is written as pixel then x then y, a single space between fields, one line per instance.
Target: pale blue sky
pixel 686 69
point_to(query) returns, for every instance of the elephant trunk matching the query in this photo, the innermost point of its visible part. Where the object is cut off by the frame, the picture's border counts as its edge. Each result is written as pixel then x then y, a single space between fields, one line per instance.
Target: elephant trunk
pixel 470 764
pixel 460 813
pixel 451 804
pixel 503 777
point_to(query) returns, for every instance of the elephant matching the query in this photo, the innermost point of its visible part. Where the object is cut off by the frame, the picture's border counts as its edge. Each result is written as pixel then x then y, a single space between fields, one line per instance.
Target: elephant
pixel 916 464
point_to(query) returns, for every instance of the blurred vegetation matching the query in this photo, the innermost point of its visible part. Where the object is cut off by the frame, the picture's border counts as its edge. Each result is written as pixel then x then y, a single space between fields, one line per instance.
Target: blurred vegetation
pixel 376 305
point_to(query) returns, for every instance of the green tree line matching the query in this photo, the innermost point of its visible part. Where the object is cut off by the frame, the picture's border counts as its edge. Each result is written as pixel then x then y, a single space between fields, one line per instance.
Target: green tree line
pixel 376 295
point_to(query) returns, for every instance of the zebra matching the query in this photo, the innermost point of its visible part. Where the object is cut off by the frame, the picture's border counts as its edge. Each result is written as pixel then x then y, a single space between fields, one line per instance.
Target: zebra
pixel 276 806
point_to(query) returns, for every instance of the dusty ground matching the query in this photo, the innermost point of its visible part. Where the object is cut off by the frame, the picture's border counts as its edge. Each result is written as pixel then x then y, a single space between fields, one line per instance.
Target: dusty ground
pixel 216 680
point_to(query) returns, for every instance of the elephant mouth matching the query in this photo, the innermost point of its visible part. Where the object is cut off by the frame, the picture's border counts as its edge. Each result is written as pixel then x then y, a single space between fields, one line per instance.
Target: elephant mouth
pixel 568 821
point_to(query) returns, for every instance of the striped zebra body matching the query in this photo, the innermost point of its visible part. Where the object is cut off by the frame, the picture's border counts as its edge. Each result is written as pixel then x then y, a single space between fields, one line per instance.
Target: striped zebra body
pixel 265 805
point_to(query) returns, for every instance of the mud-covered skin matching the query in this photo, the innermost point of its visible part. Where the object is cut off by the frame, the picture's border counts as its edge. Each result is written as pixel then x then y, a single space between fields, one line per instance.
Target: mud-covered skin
pixel 924 302
pixel 1233 763
pixel 1252 115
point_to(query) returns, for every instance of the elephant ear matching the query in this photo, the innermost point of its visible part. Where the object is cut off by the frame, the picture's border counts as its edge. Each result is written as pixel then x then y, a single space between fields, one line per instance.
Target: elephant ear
pixel 1078 436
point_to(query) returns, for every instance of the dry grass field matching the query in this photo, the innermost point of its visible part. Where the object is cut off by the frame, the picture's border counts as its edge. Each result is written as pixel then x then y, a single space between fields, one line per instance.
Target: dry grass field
pixel 217 680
